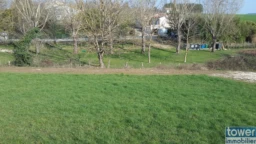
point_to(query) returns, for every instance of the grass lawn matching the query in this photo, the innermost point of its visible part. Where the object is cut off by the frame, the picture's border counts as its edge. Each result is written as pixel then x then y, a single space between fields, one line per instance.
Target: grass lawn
pixel 51 108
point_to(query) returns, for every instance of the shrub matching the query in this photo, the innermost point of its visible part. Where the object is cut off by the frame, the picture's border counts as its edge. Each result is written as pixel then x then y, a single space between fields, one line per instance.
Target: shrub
pixel 248 52
pixel 21 49
pixel 245 60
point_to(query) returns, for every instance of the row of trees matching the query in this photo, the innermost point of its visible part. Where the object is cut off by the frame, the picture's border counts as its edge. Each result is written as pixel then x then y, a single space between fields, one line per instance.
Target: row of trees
pixel 103 20
pixel 213 17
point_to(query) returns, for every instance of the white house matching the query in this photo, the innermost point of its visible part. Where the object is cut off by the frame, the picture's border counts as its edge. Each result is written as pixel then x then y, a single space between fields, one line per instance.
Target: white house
pixel 160 24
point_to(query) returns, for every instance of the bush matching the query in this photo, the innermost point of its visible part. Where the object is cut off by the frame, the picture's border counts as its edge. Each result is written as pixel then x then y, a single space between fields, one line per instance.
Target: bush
pixel 21 49
pixel 244 61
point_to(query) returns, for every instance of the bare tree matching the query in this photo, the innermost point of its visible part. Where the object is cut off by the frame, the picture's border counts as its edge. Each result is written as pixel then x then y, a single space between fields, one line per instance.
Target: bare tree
pixel 191 20
pixel 145 10
pixel 68 14
pixel 116 14
pixel 32 14
pixel 99 21
pixel 73 20
pixel 180 10
pixel 217 15
pixel 189 26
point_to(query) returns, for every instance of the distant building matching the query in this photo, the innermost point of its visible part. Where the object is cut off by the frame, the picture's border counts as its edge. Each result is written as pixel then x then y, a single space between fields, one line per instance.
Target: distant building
pixel 160 24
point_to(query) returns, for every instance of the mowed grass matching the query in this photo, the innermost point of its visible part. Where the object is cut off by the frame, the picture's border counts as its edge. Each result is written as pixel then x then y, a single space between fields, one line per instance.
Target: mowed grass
pixel 248 17
pixel 51 108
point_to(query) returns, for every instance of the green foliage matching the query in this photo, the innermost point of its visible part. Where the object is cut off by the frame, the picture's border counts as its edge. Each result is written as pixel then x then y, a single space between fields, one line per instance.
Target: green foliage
pixel 238 31
pixel 21 49
pixel 245 29
pixel 6 23
pixel 234 32
pixel 55 30
pixel 59 108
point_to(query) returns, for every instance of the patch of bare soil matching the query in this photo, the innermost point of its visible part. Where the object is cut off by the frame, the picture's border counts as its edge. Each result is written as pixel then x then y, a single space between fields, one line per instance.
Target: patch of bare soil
pixel 238 75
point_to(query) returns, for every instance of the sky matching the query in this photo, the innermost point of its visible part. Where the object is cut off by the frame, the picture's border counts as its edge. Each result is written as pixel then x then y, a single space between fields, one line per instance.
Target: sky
pixel 249 6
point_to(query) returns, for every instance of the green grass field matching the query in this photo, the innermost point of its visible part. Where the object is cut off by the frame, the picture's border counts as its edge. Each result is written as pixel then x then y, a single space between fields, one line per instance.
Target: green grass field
pixel 51 108
pixel 248 17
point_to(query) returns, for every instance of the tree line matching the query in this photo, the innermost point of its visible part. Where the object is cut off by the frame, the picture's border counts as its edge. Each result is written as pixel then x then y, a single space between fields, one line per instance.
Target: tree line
pixel 103 21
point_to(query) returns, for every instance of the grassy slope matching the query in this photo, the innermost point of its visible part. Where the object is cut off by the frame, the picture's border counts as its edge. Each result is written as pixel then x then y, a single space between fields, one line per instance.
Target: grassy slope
pixel 5 57
pixel 123 54
pixel 248 17
pixel 49 108
pixel 132 55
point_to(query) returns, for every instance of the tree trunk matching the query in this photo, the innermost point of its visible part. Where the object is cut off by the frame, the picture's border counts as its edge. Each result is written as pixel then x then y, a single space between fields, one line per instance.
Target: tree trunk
pixel 75 50
pixel 100 51
pixel 179 41
pixel 38 44
pixel 110 40
pixel 100 57
pixel 187 47
pixel 111 44
pixel 149 48
pixel 143 41
pixel 214 43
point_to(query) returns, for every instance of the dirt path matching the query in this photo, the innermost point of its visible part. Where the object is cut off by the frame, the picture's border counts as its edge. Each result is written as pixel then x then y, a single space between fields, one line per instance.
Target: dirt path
pixel 145 71
pixel 237 75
